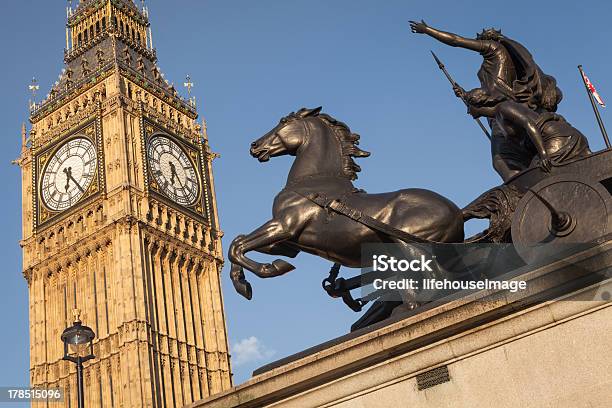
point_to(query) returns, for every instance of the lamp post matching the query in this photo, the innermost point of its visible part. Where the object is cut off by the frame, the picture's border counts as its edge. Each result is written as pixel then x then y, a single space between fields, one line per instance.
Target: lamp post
pixel 75 340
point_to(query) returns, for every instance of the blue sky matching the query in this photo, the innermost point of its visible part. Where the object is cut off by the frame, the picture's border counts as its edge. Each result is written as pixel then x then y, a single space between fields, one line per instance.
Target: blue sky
pixel 253 62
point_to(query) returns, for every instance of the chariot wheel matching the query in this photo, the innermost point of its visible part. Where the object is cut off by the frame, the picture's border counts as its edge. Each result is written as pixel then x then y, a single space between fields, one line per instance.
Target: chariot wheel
pixel 560 213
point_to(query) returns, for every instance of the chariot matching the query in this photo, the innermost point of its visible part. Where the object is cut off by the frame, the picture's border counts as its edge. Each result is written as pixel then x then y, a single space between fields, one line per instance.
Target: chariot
pixel 535 217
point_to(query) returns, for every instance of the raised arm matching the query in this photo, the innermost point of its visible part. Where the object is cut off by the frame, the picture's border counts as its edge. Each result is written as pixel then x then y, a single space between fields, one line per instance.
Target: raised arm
pixel 451 39
pixel 522 117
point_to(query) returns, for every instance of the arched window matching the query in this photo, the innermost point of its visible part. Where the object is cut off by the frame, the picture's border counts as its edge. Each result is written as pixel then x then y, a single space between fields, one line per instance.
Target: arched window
pixel 103 23
pixel 97 27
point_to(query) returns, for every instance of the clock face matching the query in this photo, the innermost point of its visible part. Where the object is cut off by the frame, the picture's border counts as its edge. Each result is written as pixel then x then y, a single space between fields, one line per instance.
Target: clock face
pixel 173 171
pixel 68 174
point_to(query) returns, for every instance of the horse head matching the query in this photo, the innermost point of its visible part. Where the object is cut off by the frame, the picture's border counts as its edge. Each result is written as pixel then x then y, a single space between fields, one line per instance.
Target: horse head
pixel 322 144
pixel 285 138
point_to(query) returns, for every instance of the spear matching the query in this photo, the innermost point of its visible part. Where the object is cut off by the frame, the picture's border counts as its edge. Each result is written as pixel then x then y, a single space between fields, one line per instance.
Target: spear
pixel 455 85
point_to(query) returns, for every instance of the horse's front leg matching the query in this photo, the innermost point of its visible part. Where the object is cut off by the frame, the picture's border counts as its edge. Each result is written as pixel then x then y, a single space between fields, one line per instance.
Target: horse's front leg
pixel 268 234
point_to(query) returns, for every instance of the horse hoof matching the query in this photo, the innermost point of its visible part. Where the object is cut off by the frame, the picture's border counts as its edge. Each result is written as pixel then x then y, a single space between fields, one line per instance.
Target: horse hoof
pixel 240 283
pixel 244 288
pixel 282 267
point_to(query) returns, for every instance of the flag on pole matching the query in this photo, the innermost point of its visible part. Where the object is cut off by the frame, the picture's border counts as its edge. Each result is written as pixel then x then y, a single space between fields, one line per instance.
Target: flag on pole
pixel 592 89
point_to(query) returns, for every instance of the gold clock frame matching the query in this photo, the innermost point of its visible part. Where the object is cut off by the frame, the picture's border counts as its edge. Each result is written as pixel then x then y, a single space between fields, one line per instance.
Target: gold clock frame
pixel 92 131
pixel 194 154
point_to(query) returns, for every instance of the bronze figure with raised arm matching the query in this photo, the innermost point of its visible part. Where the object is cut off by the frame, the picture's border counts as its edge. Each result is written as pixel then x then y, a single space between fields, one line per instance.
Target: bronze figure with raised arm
pixel 507 71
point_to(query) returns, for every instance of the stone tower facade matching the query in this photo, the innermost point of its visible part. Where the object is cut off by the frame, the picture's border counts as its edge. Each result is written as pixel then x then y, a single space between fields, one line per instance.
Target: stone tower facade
pixel 120 222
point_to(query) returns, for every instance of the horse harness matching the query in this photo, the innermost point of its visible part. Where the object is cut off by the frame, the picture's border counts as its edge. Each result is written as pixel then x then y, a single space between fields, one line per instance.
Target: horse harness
pixel 340 287
pixel 339 206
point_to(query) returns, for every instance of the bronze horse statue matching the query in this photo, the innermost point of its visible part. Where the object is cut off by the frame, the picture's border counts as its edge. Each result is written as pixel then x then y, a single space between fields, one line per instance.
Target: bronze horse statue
pixel 322 173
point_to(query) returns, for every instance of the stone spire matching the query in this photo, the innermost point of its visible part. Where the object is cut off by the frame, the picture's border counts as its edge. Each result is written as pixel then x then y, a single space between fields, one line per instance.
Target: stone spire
pixel 24 138
pixel 24 155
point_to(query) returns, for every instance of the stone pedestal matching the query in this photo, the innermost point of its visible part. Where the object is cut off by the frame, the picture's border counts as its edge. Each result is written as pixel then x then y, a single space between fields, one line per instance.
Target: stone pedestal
pixel 548 346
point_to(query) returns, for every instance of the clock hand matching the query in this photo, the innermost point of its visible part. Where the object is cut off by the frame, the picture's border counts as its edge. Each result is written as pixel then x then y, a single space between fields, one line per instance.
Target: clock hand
pixel 180 182
pixel 77 184
pixel 68 173
pixel 173 174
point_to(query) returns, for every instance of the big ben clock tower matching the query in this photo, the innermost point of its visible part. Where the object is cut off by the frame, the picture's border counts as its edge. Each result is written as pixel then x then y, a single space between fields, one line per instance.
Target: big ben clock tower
pixel 120 222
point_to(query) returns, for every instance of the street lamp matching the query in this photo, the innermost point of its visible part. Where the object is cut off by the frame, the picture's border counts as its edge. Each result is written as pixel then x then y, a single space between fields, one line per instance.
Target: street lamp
pixel 75 340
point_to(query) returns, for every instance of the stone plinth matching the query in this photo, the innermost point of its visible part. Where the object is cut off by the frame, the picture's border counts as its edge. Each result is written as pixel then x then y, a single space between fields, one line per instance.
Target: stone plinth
pixel 548 346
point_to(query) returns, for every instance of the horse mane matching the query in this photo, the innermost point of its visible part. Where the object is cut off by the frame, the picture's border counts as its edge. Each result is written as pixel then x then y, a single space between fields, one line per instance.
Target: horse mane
pixel 348 145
